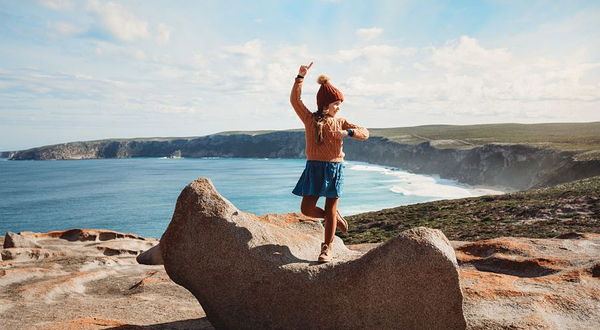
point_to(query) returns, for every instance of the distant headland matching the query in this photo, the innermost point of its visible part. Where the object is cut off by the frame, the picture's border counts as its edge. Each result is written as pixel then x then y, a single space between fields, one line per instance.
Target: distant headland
pixel 513 156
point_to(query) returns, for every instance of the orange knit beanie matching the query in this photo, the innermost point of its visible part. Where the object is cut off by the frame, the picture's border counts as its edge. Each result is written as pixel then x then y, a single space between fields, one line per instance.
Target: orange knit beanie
pixel 327 94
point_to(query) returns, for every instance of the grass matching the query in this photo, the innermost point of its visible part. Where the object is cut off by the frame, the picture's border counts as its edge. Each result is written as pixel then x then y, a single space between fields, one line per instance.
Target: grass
pixel 538 213
pixel 581 137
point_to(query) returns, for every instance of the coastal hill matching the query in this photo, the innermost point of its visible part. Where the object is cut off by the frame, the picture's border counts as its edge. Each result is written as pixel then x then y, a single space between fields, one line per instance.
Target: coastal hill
pixel 535 213
pixel 510 156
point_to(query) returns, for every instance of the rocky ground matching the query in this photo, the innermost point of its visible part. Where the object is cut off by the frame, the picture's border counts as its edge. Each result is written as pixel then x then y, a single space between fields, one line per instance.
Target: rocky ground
pixel 89 279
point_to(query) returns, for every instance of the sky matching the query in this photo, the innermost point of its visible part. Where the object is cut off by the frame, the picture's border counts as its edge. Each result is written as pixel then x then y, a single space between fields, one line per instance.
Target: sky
pixel 93 69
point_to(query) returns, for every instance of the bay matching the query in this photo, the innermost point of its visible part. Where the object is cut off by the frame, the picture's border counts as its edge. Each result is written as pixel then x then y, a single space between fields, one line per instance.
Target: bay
pixel 138 195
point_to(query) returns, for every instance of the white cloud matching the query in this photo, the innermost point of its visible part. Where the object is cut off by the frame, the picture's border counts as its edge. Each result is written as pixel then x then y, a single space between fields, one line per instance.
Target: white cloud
pixel 56 4
pixel 163 34
pixel 245 60
pixel 373 59
pixel 64 28
pixel 373 51
pixel 468 52
pixel 118 21
pixel 369 34
pixel 251 48
pixel 465 80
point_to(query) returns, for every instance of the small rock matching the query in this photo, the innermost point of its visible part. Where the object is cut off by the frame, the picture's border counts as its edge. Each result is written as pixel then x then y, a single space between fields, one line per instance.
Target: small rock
pixel 12 240
pixel 153 256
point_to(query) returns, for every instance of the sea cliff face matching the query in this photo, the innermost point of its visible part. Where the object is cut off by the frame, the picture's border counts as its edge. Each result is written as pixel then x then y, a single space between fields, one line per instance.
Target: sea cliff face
pixel 6 154
pixel 515 167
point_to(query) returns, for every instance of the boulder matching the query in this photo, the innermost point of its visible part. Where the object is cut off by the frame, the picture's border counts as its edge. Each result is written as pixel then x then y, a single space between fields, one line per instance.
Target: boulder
pixel 152 256
pixel 12 240
pixel 252 272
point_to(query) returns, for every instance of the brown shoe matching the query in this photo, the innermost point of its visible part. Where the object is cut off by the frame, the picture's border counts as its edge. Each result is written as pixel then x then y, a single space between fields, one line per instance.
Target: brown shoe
pixel 326 254
pixel 341 223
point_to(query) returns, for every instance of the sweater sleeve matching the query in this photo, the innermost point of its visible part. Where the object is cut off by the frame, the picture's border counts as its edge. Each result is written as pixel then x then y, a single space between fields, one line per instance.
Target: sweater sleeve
pixel 360 133
pixel 296 100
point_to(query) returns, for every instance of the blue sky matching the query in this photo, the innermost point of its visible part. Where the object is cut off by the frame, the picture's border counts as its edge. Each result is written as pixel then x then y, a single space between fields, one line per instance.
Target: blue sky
pixel 93 69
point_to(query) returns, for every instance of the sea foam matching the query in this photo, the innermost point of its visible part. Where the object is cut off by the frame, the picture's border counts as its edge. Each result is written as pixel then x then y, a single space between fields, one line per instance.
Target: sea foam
pixel 410 184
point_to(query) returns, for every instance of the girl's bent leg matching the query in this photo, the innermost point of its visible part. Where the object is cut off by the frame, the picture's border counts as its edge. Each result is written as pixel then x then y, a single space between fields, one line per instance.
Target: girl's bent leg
pixel 309 207
pixel 330 218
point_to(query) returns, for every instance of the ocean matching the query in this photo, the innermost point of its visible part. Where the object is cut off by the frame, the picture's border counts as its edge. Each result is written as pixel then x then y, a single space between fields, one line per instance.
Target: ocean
pixel 138 195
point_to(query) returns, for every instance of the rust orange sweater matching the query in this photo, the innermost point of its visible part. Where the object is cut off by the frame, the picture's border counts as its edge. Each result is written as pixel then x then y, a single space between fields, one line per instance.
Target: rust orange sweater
pixel 331 148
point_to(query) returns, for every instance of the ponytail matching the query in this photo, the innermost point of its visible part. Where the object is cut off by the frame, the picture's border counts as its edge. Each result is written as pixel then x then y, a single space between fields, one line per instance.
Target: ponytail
pixel 319 118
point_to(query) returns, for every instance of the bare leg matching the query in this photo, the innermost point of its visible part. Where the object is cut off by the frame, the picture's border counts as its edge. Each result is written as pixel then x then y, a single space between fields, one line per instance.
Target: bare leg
pixel 310 209
pixel 330 218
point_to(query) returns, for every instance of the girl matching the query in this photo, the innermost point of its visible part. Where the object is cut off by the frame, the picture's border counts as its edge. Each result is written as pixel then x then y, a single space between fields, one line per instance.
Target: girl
pixel 324 171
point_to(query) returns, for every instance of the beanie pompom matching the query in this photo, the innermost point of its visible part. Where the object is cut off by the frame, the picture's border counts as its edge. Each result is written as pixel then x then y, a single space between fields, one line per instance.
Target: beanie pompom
pixel 322 79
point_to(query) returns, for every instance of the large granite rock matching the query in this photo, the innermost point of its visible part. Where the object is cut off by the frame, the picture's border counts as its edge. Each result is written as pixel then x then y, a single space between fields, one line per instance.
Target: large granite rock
pixel 252 272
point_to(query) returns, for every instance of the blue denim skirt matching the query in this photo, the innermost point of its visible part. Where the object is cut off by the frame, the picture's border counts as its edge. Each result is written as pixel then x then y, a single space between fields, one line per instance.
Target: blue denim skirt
pixel 321 179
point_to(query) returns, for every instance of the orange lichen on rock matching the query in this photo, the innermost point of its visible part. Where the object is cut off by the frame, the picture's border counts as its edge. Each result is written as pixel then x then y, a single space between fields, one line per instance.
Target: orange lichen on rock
pixel 6 263
pixel 562 302
pixel 88 323
pixel 477 284
pixel 47 289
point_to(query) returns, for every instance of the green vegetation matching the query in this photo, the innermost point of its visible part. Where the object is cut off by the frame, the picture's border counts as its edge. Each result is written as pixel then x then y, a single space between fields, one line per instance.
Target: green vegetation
pixel 537 213
pixel 560 136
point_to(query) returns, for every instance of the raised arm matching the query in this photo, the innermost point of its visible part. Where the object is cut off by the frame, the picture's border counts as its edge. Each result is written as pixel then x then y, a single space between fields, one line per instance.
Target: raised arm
pixel 359 133
pixel 296 94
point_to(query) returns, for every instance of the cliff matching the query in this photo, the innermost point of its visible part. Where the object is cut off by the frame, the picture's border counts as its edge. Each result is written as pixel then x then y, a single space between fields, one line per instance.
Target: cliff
pixel 7 154
pixel 514 166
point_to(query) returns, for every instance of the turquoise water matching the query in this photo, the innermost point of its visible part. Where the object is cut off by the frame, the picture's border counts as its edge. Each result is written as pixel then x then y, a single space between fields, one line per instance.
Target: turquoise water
pixel 138 195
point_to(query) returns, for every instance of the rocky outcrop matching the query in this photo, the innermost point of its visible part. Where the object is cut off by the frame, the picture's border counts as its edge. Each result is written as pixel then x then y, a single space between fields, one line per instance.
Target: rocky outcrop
pixel 12 240
pixel 260 273
pixel 507 283
pixel 522 283
pixel 75 285
pixel 35 246
pixel 516 167
pixel 83 235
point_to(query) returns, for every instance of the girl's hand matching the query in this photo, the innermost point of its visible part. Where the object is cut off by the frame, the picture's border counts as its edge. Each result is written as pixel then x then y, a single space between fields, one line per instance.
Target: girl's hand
pixel 340 134
pixel 304 69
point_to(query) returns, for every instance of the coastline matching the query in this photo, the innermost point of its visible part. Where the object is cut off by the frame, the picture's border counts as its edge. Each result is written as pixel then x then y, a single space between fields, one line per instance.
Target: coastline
pixel 87 191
